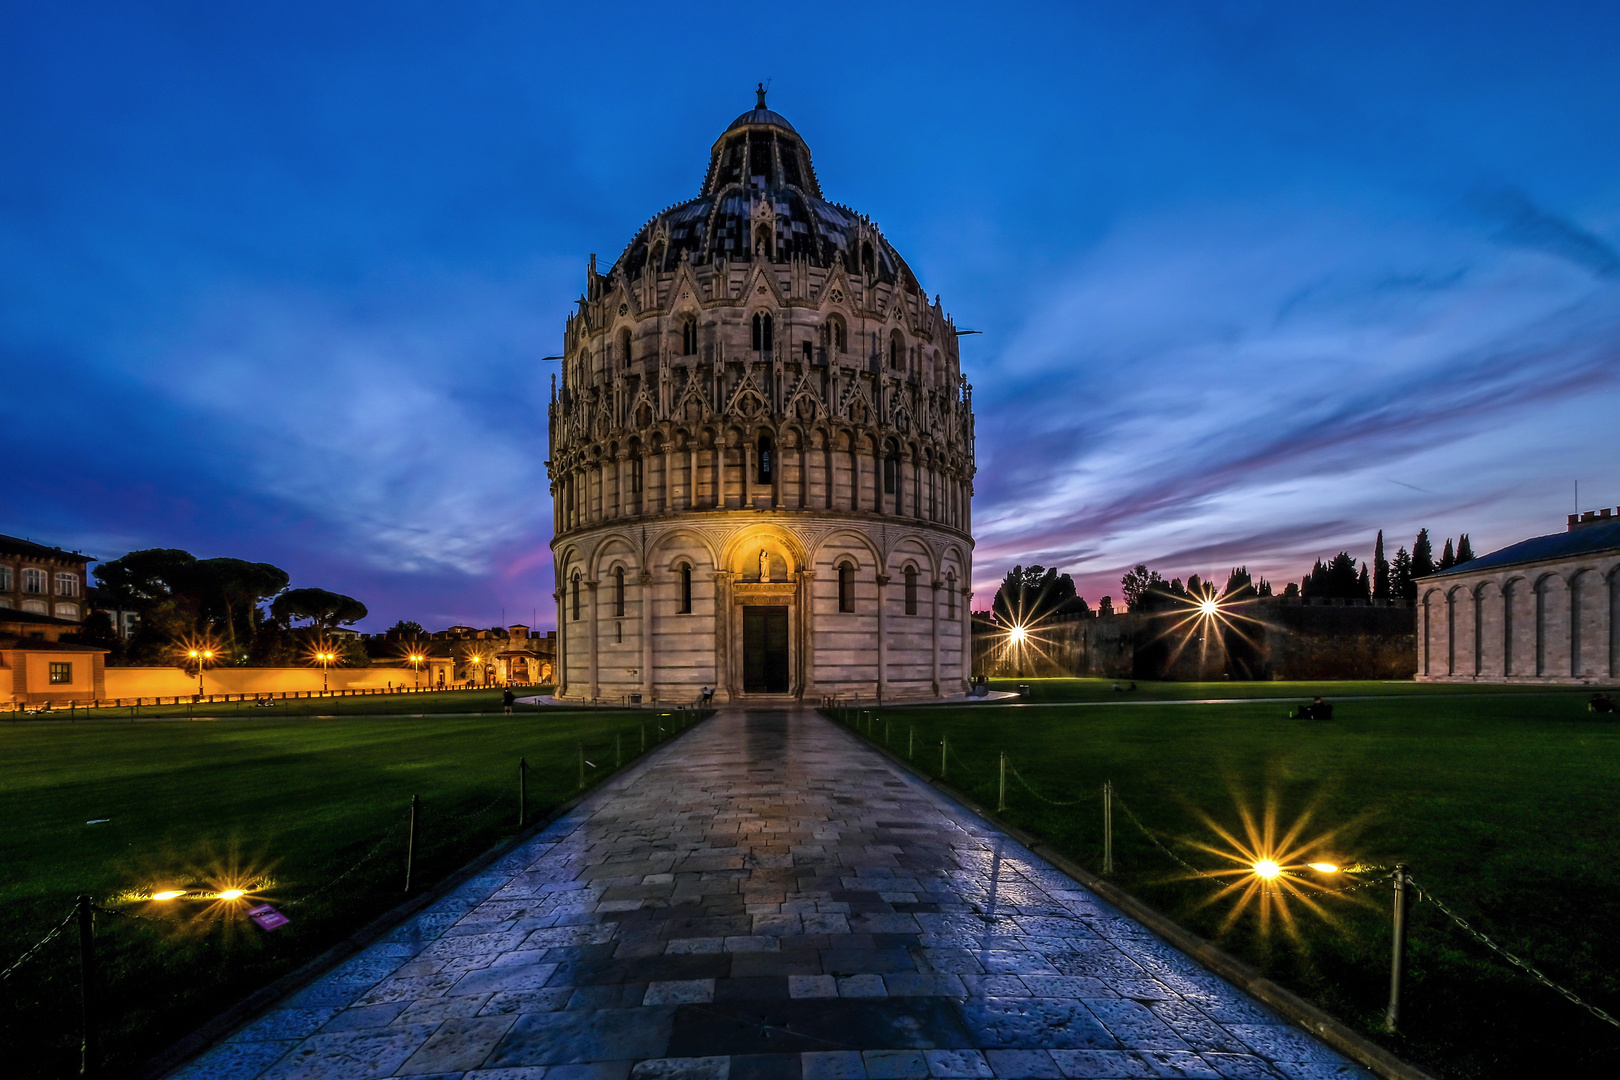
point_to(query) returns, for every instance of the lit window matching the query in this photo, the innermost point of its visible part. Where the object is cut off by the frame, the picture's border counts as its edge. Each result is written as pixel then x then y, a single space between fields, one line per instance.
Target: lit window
pixel 33 581
pixel 846 587
pixel 36 607
pixel 61 673
pixel 911 590
pixel 67 585
pixel 767 461
pixel 68 611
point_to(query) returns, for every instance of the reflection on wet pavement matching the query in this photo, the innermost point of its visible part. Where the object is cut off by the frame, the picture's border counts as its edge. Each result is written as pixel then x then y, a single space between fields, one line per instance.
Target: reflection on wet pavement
pixel 767 898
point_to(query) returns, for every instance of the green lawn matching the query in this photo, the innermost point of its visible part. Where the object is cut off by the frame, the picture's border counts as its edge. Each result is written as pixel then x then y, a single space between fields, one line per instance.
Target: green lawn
pixel 1503 803
pixel 291 804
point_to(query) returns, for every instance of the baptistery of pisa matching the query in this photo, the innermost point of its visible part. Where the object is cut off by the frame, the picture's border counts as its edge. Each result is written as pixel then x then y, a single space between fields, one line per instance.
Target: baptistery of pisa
pixel 761 453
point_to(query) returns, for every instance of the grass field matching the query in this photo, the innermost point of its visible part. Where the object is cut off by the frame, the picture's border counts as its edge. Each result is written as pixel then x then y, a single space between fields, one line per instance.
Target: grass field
pixel 308 813
pixel 1504 804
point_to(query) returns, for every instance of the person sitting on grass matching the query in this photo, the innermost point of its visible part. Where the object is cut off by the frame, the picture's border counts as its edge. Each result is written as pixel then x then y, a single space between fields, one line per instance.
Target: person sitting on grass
pixel 1316 710
pixel 1602 703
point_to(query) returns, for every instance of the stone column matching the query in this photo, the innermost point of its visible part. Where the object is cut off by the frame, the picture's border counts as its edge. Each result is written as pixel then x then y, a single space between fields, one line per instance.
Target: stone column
pixel 621 487
pixel 745 471
pixel 648 687
pixel 854 475
pixel 933 598
pixel 691 477
pixel 590 596
pixel 722 635
pixel 882 634
pixel 827 467
pixel 561 659
pixel 807 632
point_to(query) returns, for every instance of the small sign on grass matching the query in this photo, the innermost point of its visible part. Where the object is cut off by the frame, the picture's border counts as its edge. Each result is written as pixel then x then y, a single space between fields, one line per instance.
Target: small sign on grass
pixel 267 917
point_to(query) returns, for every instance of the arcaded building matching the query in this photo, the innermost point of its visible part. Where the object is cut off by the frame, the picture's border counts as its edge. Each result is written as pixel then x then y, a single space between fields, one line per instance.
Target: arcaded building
pixel 1544 610
pixel 761 453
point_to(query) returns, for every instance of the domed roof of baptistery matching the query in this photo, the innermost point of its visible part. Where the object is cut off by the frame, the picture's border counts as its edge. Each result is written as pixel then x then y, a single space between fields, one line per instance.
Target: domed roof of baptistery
pixel 760 176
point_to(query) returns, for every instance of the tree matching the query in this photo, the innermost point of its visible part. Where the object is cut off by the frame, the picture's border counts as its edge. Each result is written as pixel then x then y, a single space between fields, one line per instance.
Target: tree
pixel 1291 591
pixel 323 609
pixel 1336 579
pixel 1401 586
pixel 1263 589
pixel 1448 558
pixel 1465 550
pixel 1028 594
pixel 1135 584
pixel 1363 587
pixel 406 629
pixel 1380 579
pixel 136 579
pixel 228 593
pixel 1238 584
pixel 1422 556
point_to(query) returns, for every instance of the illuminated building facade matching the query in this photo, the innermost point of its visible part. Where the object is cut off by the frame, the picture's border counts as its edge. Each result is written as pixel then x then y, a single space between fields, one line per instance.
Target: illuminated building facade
pixel 761 453
pixel 1544 610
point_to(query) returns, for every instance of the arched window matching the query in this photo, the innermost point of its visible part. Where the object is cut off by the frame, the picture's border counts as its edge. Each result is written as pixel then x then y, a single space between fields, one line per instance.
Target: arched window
pixel 950 595
pixel 891 468
pixel 576 594
pixel 68 611
pixel 767 459
pixel 624 346
pixel 688 337
pixel 685 599
pixel 897 350
pixel 846 586
pixel 67 585
pixel 807 350
pixel 33 581
pixel 635 475
pixel 5 579
pixel 837 339
pixel 763 247
pixel 911 590
pixel 618 592
pixel 762 333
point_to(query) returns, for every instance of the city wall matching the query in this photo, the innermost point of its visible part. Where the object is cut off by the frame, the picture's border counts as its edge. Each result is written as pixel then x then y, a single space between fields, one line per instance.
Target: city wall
pixel 1266 639
pixel 134 682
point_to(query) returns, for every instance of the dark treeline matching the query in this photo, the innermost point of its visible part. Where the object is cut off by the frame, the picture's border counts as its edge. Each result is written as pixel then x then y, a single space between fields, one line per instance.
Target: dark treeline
pixel 243 610
pixel 1340 579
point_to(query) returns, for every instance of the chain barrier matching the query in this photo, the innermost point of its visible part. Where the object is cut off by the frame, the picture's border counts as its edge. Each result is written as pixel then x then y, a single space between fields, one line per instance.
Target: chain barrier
pixel 38 945
pixel 367 857
pixel 1055 802
pixel 1570 995
pixel 469 815
pixel 1155 841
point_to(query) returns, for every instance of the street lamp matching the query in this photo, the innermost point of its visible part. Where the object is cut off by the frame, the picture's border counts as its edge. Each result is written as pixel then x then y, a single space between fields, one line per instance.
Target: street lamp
pixel 416 659
pixel 326 659
pixel 200 657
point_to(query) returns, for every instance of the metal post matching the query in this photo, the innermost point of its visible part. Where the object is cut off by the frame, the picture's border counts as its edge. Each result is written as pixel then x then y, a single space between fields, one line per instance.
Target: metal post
pixel 1108 826
pixel 1397 959
pixel 581 745
pixel 1001 797
pixel 911 740
pixel 618 749
pixel 942 739
pixel 410 843
pixel 90 1050
pixel 523 791
pixel 885 733
pixel 643 738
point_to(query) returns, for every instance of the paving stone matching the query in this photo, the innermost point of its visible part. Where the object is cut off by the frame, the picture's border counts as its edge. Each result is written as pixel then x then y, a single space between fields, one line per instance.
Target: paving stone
pixel 766 899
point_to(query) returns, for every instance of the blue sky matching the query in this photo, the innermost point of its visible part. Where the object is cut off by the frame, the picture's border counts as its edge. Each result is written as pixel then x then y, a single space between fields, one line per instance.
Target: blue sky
pixel 1255 280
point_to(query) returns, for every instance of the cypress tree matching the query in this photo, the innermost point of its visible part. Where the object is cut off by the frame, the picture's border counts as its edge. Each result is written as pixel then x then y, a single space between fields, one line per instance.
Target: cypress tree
pixel 1400 578
pixel 1364 587
pixel 1447 558
pixel 1422 556
pixel 1380 580
pixel 1465 550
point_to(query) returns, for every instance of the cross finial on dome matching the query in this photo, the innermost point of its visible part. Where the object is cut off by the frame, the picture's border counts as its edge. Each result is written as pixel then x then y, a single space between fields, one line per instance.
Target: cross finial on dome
pixel 761 92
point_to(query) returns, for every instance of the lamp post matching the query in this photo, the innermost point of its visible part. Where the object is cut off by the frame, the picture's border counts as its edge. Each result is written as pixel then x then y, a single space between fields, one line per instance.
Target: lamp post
pixel 416 670
pixel 326 659
pixel 200 657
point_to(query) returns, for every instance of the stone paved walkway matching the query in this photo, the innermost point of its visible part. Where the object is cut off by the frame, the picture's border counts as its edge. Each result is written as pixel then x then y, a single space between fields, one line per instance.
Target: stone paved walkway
pixel 763 899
